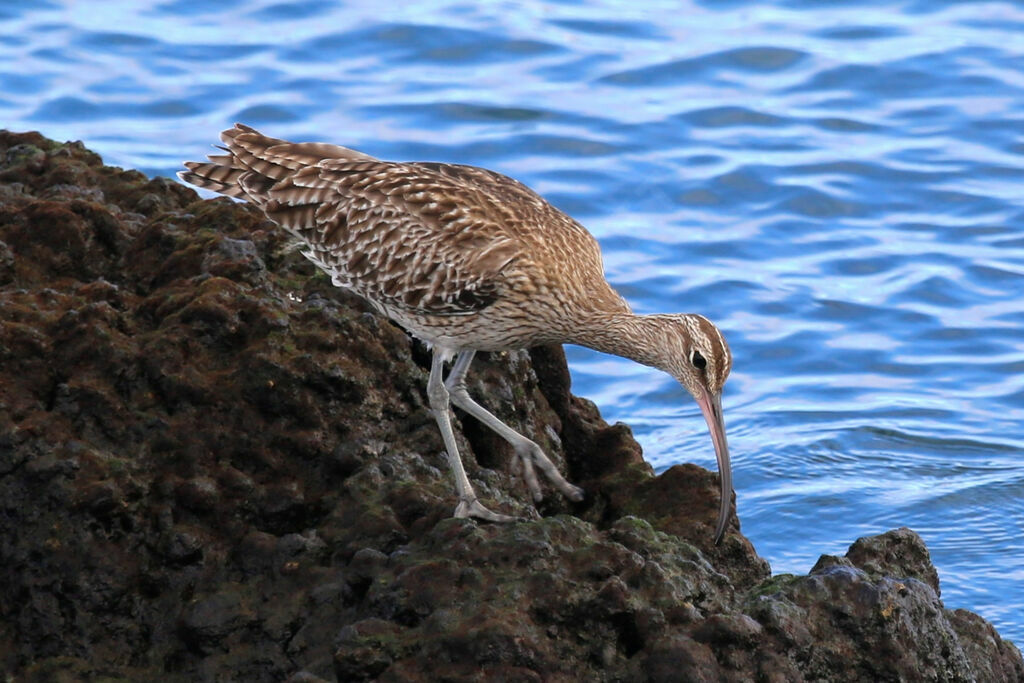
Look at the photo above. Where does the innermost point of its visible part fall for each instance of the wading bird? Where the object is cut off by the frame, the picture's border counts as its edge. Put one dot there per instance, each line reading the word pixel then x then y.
pixel 467 260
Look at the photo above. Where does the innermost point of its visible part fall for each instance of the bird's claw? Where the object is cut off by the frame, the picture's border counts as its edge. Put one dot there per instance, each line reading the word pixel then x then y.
pixel 573 492
pixel 474 508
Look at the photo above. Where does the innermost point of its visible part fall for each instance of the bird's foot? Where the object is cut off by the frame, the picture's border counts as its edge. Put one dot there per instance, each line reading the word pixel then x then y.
pixel 531 455
pixel 474 508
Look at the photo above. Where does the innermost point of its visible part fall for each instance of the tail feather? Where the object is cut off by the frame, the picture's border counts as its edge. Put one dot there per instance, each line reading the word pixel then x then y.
pixel 254 163
pixel 214 176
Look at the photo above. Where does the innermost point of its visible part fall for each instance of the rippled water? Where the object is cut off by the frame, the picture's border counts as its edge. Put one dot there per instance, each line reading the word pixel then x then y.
pixel 839 185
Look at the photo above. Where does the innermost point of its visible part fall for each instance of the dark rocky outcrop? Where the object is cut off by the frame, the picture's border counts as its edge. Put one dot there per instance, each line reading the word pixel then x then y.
pixel 216 466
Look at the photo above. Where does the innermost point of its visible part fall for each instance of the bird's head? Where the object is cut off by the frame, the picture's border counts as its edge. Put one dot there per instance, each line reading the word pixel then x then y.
pixel 690 348
pixel 699 358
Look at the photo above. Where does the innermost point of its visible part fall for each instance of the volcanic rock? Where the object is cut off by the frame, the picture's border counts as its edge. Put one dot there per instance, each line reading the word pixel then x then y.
pixel 214 465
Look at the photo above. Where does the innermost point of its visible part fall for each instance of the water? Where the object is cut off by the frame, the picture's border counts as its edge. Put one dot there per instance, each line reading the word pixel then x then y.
pixel 838 185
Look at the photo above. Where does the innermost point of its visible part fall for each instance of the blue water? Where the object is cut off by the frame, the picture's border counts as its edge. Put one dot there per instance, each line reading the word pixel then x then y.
pixel 839 185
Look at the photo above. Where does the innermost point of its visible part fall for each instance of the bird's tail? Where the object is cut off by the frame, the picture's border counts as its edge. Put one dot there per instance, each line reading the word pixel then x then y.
pixel 253 163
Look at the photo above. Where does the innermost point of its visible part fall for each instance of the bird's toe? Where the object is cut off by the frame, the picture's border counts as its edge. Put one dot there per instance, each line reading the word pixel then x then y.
pixel 474 508
pixel 574 493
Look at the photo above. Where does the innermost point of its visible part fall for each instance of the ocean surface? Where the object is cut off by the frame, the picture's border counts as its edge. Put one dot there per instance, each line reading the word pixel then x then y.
pixel 839 185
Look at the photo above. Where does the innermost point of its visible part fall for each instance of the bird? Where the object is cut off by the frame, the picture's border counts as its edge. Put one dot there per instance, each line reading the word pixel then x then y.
pixel 467 260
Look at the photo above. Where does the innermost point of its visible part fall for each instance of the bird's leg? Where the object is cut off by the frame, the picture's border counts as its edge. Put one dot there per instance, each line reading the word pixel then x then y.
pixel 437 394
pixel 529 453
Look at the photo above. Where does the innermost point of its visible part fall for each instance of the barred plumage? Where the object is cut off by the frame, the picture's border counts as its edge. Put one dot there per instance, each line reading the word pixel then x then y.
pixel 468 260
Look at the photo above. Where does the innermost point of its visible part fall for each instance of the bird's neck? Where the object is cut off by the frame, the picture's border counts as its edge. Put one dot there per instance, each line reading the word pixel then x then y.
pixel 640 338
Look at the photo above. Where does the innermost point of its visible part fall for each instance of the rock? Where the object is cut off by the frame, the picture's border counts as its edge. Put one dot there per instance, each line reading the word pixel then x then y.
pixel 842 620
pixel 214 465
pixel 897 553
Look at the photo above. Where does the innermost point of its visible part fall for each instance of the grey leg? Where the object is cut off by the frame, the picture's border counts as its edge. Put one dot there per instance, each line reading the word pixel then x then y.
pixel 437 394
pixel 529 453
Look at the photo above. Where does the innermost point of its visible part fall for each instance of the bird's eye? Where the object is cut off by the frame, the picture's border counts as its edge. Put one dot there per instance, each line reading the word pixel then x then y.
pixel 698 360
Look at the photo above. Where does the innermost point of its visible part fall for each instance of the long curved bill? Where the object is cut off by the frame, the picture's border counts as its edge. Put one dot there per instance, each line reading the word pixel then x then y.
pixel 711 405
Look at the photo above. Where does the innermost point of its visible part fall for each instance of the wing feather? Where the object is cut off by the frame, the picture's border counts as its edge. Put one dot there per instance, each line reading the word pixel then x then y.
pixel 420 238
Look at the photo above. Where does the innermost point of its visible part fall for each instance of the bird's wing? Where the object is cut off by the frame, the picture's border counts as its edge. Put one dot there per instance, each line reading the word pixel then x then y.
pixel 402 236
pixel 423 238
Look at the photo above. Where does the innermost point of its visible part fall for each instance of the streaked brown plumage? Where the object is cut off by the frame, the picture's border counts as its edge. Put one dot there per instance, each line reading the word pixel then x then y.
pixel 468 260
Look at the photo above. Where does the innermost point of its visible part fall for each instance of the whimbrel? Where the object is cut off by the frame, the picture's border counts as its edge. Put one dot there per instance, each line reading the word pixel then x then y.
pixel 467 260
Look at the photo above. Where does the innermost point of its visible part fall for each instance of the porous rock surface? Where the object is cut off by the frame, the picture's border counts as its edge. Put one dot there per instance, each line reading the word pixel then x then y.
pixel 216 466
